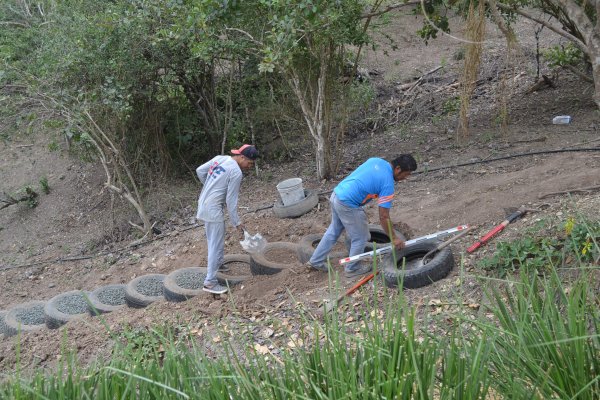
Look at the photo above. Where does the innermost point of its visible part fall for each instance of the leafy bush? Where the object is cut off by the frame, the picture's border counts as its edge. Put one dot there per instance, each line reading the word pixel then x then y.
pixel 563 55
pixel 541 250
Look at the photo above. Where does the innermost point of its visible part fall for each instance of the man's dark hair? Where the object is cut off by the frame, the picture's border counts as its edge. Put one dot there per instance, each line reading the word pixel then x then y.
pixel 406 162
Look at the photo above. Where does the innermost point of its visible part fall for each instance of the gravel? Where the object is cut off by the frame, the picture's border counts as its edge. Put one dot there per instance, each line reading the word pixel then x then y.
pixel 150 286
pixel 33 315
pixel 190 279
pixel 72 304
pixel 112 296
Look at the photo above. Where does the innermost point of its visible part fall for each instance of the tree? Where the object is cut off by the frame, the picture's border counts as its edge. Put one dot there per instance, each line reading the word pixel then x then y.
pixel 307 41
pixel 574 20
pixel 578 24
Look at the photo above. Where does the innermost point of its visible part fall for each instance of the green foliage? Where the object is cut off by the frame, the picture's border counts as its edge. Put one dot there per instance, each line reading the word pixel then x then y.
pixel 30 196
pixel 548 342
pixel 44 185
pixel 142 345
pixel 53 146
pixel 435 20
pixel 582 239
pixel 451 105
pixel 540 251
pixel 563 55
pixel 529 253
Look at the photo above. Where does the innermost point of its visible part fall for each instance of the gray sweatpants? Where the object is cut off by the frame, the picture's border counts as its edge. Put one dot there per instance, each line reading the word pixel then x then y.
pixel 215 236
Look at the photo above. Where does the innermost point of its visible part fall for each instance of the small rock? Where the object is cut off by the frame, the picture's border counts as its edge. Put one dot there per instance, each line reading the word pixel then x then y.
pixel 51 285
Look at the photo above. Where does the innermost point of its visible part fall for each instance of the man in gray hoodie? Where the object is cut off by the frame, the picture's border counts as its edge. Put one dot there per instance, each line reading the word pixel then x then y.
pixel 221 177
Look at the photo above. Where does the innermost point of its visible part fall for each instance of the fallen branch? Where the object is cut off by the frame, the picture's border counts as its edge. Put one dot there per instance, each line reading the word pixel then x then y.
pixel 578 190
pixel 541 84
pixel 30 195
pixel 409 87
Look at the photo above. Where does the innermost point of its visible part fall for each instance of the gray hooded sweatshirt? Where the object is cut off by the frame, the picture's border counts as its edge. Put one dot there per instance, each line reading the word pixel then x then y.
pixel 221 178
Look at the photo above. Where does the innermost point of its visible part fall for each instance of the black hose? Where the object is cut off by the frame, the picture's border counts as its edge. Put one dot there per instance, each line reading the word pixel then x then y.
pixel 532 153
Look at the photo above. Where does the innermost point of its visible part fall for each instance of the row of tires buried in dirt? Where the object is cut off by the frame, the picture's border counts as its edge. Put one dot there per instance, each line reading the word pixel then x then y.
pixel 184 283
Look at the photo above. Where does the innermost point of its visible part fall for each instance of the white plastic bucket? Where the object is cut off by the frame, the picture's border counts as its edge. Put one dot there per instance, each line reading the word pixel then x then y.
pixel 291 191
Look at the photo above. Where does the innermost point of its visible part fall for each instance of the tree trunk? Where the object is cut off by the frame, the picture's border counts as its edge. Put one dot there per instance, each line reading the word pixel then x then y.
pixel 313 113
pixel 594 54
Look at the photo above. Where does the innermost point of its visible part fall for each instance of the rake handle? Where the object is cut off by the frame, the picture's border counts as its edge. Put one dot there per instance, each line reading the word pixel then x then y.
pixel 348 292
pixel 487 237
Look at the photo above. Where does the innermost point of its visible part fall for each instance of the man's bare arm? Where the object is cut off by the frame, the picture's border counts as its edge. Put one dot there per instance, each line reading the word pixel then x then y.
pixel 388 227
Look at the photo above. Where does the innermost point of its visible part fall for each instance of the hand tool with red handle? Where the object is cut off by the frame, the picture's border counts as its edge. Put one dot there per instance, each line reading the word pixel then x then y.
pixel 497 229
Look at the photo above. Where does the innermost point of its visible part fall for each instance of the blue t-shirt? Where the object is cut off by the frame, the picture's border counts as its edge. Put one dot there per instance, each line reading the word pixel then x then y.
pixel 374 179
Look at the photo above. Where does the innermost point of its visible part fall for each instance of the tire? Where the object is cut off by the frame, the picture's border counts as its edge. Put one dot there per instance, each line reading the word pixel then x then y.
pixel 311 199
pixel 415 274
pixel 307 246
pixel 259 265
pixel 56 316
pixel 230 279
pixel 183 284
pixel 25 317
pixel 3 327
pixel 377 238
pixel 136 299
pixel 102 299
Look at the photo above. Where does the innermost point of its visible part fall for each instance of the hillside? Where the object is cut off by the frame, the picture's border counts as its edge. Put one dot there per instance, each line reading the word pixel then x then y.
pixel 78 223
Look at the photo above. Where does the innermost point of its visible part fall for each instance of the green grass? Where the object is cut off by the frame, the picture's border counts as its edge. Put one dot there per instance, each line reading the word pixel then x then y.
pixel 536 337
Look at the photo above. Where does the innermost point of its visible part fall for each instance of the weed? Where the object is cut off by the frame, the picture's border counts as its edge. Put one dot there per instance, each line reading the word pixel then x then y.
pixel 451 106
pixel 459 54
pixel 53 146
pixel 31 197
pixel 44 185
pixel 575 240
pixel 487 136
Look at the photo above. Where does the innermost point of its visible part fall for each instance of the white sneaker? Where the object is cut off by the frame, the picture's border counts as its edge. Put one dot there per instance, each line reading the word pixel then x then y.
pixel 216 289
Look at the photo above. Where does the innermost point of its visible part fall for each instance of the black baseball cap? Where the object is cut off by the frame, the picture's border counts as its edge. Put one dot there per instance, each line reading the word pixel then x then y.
pixel 247 151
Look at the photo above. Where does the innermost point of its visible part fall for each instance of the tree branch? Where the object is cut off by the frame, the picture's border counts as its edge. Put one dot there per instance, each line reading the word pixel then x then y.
pixel 390 8
pixel 579 73
pixel 554 29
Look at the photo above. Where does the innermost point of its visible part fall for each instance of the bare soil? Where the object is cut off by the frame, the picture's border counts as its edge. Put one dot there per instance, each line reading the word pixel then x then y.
pixel 77 238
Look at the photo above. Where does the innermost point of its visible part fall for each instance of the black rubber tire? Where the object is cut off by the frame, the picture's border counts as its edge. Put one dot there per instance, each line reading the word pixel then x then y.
pixel 415 274
pixel 55 318
pixel 378 238
pixel 259 265
pixel 307 246
pixel 3 327
pixel 14 325
pixel 136 299
pixel 311 199
pixel 174 292
pixel 97 307
pixel 228 279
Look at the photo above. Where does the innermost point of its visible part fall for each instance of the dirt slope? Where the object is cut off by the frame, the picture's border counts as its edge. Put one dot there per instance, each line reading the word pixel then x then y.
pixel 75 217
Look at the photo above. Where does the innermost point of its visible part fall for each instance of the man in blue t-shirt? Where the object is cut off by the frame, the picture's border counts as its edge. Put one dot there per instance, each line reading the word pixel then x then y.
pixel 374 179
